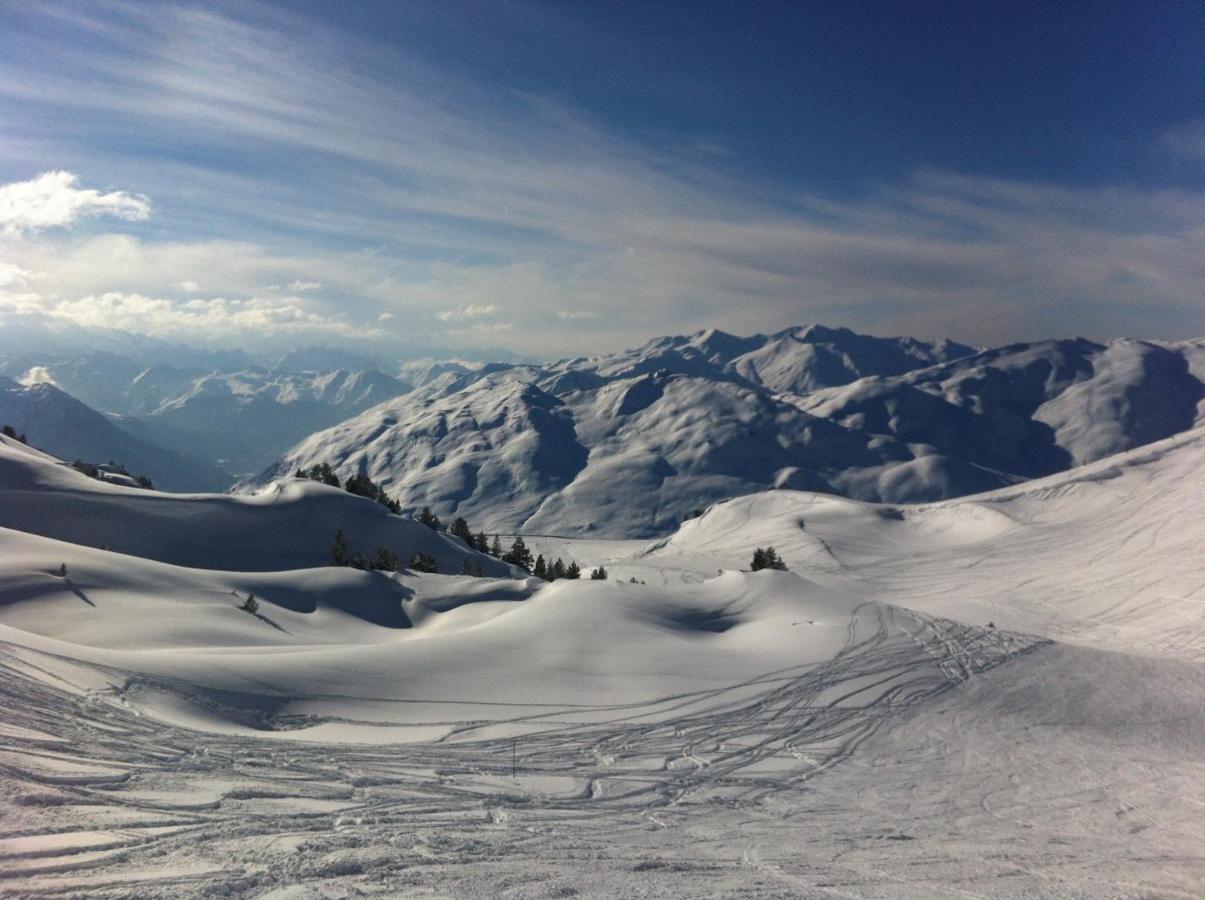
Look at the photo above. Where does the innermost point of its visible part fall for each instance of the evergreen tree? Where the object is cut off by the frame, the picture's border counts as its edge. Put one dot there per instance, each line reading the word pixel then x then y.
pixel 558 570
pixel 541 568
pixel 322 472
pixel 519 555
pixel 460 528
pixel 340 550
pixel 363 486
pixel 599 574
pixel 429 518
pixel 496 548
pixel 250 605
pixel 766 559
pixel 574 571
pixel 424 562
pixel 480 543
pixel 384 561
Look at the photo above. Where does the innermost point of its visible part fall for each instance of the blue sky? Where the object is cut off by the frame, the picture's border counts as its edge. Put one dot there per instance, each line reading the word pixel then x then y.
pixel 565 178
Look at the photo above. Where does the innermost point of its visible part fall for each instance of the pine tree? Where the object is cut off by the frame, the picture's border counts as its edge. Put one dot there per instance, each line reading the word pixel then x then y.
pixel 322 472
pixel 558 570
pixel 496 548
pixel 250 605
pixel 424 562
pixel 340 550
pixel 541 568
pixel 429 518
pixel 384 561
pixel 599 574
pixel 460 528
pixel 767 559
pixel 519 555
pixel 574 571
pixel 480 543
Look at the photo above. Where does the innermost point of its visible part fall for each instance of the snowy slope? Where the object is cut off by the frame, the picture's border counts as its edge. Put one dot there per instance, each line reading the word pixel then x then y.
pixel 1109 555
pixel 66 427
pixel 852 727
pixel 1031 409
pixel 286 527
pixel 629 445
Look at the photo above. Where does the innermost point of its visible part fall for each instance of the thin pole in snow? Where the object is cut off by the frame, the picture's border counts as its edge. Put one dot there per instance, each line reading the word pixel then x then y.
pixel 514 759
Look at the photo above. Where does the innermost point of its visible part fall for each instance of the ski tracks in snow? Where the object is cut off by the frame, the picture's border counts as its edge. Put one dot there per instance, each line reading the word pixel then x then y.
pixel 105 801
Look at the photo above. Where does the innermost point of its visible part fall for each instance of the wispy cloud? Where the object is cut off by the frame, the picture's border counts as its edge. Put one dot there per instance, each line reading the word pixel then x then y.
pixel 52 200
pixel 199 319
pixel 471 311
pixel 445 201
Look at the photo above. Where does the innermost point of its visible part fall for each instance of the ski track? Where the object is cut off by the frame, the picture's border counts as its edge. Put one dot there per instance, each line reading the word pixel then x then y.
pixel 106 802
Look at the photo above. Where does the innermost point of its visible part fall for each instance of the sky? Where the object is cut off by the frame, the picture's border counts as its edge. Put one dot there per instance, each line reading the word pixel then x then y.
pixel 554 179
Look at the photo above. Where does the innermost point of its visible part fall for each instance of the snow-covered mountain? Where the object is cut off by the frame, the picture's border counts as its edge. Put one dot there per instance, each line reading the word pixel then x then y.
pixel 58 423
pixel 632 443
pixel 798 359
pixel 245 418
pixel 238 418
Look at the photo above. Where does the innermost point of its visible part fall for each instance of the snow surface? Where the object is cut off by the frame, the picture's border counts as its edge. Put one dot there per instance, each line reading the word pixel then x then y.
pixel 630 444
pixel 993 696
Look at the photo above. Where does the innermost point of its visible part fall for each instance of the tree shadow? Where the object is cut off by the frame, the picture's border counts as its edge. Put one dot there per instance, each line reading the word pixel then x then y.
pixel 76 590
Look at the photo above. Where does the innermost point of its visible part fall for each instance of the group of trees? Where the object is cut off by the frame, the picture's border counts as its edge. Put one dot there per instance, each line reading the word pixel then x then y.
pixel 767 559
pixel 382 559
pixel 551 571
pixel 9 431
pixel 360 485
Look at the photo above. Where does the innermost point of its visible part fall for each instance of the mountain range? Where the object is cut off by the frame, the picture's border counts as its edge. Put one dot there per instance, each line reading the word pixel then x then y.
pixel 632 443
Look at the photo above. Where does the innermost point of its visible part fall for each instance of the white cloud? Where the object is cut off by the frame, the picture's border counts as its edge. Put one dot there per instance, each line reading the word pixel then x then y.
pixel 12 275
pixel 52 200
pixel 300 286
pixel 190 287
pixel 37 375
pixel 196 319
pixel 385 317
pixel 469 311
pixel 425 171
